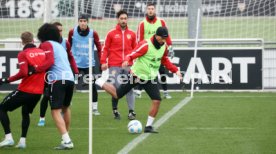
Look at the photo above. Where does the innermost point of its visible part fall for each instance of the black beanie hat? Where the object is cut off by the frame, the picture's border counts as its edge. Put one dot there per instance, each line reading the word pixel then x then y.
pixel 162 31
pixel 83 16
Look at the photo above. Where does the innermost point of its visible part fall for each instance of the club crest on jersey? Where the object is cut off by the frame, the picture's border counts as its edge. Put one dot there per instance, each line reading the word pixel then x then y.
pixel 128 36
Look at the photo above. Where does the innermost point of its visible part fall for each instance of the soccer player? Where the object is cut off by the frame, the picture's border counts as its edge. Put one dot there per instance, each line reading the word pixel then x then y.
pixel 78 38
pixel 119 42
pixel 60 80
pixel 28 93
pixel 148 56
pixel 146 30
pixel 45 99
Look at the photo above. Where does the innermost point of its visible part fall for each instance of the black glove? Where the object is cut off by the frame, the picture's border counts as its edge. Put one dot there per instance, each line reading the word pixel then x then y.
pixel 3 81
pixel 31 70
pixel 171 52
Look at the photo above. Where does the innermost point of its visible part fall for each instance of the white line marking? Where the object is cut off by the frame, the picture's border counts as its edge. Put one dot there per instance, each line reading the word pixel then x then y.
pixel 218 128
pixel 131 145
pixel 70 128
pixel 235 96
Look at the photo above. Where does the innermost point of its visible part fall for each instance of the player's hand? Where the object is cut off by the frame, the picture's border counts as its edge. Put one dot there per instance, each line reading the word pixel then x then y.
pixel 178 73
pixel 171 52
pixel 3 81
pixel 31 70
pixel 104 67
pixel 125 64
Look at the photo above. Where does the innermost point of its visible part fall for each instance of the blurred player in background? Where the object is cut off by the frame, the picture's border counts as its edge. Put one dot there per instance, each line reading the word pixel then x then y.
pixel 146 30
pixel 148 56
pixel 60 80
pixel 45 99
pixel 78 38
pixel 28 93
pixel 119 42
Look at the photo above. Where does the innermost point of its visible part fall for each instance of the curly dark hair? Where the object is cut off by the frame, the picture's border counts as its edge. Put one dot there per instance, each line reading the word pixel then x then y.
pixel 121 12
pixel 48 32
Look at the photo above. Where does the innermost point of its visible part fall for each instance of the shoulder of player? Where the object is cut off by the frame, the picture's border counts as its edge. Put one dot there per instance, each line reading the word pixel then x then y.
pixel 71 31
pixel 131 32
pixel 141 23
pixel 162 20
pixel 46 45
pixel 143 45
pixel 112 32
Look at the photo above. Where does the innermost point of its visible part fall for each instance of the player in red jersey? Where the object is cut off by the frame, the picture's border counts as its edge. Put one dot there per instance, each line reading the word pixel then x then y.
pixel 28 93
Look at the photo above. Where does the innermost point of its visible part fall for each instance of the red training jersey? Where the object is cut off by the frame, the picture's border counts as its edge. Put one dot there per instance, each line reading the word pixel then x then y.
pixel 118 44
pixel 34 83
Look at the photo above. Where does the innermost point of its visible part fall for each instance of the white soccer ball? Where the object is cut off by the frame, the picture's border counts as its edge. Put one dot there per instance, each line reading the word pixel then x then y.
pixel 134 127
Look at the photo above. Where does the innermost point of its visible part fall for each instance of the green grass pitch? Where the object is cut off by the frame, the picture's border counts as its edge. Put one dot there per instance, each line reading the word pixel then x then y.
pixel 42 140
pixel 223 122
pixel 236 27
pixel 209 123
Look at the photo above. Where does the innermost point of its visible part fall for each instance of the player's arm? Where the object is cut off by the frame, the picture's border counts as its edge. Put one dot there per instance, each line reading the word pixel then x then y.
pixel 23 68
pixel 168 40
pixel 134 41
pixel 49 53
pixel 70 35
pixel 97 43
pixel 71 59
pixel 105 52
pixel 140 50
pixel 140 32
pixel 167 63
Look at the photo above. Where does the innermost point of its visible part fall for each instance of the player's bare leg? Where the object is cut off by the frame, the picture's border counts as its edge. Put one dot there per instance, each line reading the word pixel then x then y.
pixel 67 117
pixel 110 89
pixel 59 121
pixel 154 108
pixel 152 114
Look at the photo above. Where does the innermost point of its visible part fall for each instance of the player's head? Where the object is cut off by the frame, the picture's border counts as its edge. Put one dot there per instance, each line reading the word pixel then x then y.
pixel 48 32
pixel 122 18
pixel 83 21
pixel 161 35
pixel 59 26
pixel 27 37
pixel 151 11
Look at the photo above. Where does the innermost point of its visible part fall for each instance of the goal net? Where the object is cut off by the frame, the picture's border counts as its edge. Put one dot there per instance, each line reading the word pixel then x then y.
pixel 220 18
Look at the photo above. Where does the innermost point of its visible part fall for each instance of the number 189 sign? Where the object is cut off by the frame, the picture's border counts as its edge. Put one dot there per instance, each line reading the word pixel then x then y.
pixel 26 8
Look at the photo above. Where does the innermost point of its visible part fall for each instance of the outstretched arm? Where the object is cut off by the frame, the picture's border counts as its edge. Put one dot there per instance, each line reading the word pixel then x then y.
pixel 23 68
pixel 167 63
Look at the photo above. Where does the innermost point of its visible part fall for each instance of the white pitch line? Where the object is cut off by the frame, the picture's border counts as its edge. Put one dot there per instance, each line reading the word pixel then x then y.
pixel 218 128
pixel 70 128
pixel 131 145
pixel 235 96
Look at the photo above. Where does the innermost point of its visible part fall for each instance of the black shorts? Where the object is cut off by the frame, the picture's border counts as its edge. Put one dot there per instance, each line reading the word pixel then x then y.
pixel 17 99
pixel 150 86
pixel 61 93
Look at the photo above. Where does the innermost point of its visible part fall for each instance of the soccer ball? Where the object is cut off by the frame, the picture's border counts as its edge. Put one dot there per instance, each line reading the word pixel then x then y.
pixel 134 127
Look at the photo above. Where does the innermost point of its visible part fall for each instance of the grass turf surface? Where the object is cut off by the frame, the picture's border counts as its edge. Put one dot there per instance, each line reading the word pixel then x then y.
pixel 42 140
pixel 222 122
pixel 209 123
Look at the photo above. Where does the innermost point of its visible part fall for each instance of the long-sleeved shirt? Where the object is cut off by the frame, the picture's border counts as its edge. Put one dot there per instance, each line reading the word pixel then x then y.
pixel 141 30
pixel 142 48
pixel 118 44
pixel 31 56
